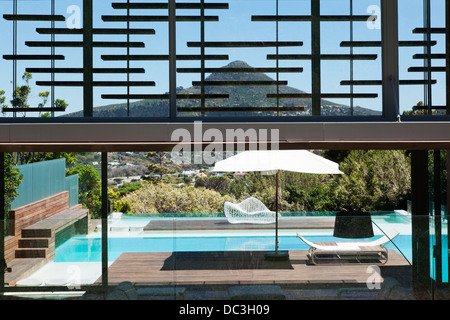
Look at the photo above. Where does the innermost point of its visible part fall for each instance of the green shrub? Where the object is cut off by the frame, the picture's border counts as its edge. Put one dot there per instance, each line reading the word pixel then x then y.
pixel 171 198
pixel 123 206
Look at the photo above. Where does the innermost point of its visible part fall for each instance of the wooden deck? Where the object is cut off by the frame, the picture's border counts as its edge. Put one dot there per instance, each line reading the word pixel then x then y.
pixel 223 224
pixel 241 267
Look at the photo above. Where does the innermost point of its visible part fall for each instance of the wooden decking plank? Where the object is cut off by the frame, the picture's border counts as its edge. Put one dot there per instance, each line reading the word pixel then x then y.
pixel 149 268
pixel 21 268
pixel 58 220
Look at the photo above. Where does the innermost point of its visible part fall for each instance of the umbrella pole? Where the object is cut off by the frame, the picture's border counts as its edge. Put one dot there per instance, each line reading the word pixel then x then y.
pixel 276 213
pixel 276 255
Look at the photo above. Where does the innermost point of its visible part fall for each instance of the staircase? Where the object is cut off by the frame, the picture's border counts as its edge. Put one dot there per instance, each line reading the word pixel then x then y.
pixel 38 240
pixel 34 247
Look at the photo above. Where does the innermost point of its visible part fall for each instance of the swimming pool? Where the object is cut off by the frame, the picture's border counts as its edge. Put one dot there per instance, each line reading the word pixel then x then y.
pixel 121 238
pixel 84 253
pixel 85 249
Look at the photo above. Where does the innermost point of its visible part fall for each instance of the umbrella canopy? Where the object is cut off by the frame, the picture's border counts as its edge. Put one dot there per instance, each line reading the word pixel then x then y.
pixel 271 161
pixel 274 160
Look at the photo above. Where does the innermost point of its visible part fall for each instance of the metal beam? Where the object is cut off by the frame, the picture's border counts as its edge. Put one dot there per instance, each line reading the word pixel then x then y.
pixel 447 52
pixel 315 58
pixel 172 60
pixel 447 214
pixel 428 68
pixel 104 212
pixel 2 221
pixel 420 219
pixel 389 52
pixel 437 250
pixel 88 78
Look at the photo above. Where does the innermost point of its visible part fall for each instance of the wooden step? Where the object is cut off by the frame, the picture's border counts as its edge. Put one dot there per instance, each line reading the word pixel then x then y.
pixel 31 253
pixel 34 243
pixel 36 233
pixel 44 228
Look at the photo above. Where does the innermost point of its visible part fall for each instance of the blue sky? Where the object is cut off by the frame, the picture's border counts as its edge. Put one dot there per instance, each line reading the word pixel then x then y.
pixel 234 25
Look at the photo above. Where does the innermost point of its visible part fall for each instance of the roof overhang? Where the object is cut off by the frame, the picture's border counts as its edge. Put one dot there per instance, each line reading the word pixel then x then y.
pixel 96 137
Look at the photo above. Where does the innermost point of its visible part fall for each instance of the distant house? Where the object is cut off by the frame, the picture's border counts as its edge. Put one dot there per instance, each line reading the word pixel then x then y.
pixel 190 173
pixel 240 174
pixel 201 175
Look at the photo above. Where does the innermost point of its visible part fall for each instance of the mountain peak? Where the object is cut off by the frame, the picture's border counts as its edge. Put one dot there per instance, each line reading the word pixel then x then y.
pixel 242 75
pixel 239 96
pixel 238 64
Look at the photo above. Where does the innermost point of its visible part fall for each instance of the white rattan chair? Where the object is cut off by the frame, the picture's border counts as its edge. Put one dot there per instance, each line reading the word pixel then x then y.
pixel 251 210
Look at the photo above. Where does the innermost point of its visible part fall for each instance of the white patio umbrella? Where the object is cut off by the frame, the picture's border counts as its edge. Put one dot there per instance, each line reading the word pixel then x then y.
pixel 271 161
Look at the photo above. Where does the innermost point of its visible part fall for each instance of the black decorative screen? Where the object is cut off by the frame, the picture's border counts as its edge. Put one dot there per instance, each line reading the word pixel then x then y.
pixel 276 60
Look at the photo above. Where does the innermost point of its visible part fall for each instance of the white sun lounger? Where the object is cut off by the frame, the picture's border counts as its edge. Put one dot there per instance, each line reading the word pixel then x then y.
pixel 370 251
pixel 251 210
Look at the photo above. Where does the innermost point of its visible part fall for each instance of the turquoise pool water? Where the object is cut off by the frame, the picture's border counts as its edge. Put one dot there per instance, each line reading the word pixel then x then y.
pixel 88 249
pixel 84 249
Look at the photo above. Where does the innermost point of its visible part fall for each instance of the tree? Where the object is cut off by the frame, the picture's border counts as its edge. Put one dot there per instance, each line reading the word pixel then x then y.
pixel 373 180
pixel 419 109
pixel 219 184
pixel 129 187
pixel 298 191
pixel 44 96
pixel 59 103
pixel 161 164
pixel 89 192
pixel 30 157
pixel 312 194
pixel 336 155
pixel 119 205
pixel 13 178
pixel 22 93
pixel 2 99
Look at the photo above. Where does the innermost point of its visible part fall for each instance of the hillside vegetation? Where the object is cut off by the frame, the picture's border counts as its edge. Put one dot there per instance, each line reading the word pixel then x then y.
pixel 373 180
